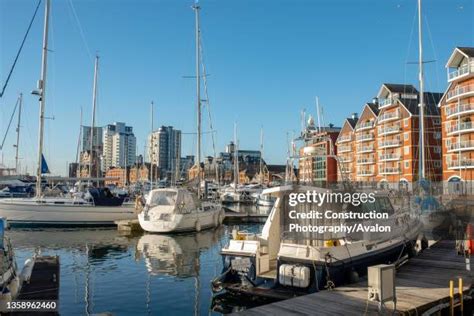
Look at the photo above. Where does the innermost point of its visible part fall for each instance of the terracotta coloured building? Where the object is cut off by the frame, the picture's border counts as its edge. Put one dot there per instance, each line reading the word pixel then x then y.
pixel 457 115
pixel 317 162
pixel 346 148
pixel 366 144
pixel 397 135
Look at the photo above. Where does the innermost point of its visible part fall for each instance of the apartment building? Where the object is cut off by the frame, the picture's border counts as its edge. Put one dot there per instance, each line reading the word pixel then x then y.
pixel 119 146
pixel 365 145
pixel 165 150
pixel 317 162
pixel 346 148
pixel 397 135
pixel 457 116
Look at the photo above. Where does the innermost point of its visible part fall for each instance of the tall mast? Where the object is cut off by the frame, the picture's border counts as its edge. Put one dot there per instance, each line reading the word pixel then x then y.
pixel 42 96
pixel 18 133
pixel 261 155
pixel 422 87
pixel 94 104
pixel 236 159
pixel 151 146
pixel 196 9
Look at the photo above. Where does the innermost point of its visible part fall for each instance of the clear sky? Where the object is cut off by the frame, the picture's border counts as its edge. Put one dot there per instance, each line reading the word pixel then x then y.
pixel 267 61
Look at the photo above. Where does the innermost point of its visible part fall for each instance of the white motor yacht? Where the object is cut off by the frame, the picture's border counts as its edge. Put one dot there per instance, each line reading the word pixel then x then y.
pixel 177 210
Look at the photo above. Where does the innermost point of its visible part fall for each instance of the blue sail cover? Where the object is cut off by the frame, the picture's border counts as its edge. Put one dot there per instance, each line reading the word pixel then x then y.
pixel 44 165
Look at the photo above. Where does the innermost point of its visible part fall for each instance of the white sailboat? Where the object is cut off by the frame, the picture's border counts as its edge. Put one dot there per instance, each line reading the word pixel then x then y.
pixel 95 208
pixel 171 210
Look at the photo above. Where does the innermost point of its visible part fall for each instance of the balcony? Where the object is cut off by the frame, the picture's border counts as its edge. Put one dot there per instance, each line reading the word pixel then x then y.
pixel 462 71
pixel 384 103
pixel 345 159
pixel 390 170
pixel 459 109
pixel 343 149
pixel 461 146
pixel 345 170
pixel 461 128
pixel 364 137
pixel 389 116
pixel 365 161
pixel 365 173
pixel 365 125
pixel 461 164
pixel 389 130
pixel 389 157
pixel 390 143
pixel 344 139
pixel 365 149
pixel 461 92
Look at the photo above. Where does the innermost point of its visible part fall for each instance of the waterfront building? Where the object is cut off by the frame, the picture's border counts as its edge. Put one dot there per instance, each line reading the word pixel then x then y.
pixel 165 150
pixel 317 163
pixel 365 145
pixel 85 164
pixel 457 115
pixel 346 150
pixel 185 164
pixel 398 138
pixel 119 146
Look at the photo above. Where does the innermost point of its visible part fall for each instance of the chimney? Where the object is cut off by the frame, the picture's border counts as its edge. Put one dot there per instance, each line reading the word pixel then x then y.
pixel 375 101
pixel 355 116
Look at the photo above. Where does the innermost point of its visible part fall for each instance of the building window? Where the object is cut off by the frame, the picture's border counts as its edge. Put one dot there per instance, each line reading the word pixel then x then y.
pixel 437 135
pixel 437 149
pixel 406 136
pixel 437 164
pixel 406 150
pixel 437 121
pixel 448 143
pixel 407 164
pixel 406 122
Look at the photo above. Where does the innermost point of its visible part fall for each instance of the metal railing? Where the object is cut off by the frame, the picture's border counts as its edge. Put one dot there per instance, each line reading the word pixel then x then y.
pixel 460 90
pixel 461 71
pixel 461 127
pixel 388 130
pixel 387 157
pixel 364 137
pixel 365 149
pixel 462 145
pixel 390 170
pixel 389 143
pixel 461 163
pixel 459 109
pixel 389 116
pixel 368 124
pixel 386 102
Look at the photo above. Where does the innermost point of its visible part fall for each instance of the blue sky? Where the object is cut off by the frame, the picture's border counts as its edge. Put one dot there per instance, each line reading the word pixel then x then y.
pixel 267 61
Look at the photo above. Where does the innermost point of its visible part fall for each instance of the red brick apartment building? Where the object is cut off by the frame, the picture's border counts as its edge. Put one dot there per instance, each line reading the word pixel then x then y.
pixel 316 165
pixel 386 138
pixel 346 148
pixel 457 115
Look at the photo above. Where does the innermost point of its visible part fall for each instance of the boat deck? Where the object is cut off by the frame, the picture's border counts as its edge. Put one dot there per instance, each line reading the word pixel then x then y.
pixel 421 284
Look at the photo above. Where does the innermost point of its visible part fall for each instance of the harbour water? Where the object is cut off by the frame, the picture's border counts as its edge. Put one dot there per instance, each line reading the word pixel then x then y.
pixel 103 270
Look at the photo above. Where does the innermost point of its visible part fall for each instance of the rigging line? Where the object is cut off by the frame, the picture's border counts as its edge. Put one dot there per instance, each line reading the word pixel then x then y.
pixel 81 30
pixel 430 36
pixel 19 50
pixel 9 124
pixel 409 44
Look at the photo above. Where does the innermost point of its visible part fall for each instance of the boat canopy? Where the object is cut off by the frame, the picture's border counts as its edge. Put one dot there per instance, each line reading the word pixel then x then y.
pixel 171 197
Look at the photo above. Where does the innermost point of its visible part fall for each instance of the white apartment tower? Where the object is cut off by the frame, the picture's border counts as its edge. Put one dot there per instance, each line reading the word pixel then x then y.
pixel 165 150
pixel 119 146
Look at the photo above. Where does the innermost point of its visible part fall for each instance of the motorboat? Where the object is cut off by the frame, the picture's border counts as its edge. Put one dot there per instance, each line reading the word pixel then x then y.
pixel 172 210
pixel 279 264
pixel 16 192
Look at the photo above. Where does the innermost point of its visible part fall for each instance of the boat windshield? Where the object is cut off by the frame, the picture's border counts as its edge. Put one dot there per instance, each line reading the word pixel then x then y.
pixel 163 198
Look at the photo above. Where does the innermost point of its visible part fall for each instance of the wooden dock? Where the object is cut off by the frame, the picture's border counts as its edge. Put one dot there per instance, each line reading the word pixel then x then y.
pixel 422 284
pixel 129 226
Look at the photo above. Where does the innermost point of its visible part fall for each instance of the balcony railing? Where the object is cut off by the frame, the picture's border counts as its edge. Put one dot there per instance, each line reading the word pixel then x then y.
pixel 462 145
pixel 365 172
pixel 390 170
pixel 386 102
pixel 365 149
pixel 344 139
pixel 364 137
pixel 460 109
pixel 389 130
pixel 458 91
pixel 365 125
pixel 345 159
pixel 461 164
pixel 365 161
pixel 389 157
pixel 459 128
pixel 388 116
pixel 389 143
pixel 461 71
pixel 345 170
pixel 343 149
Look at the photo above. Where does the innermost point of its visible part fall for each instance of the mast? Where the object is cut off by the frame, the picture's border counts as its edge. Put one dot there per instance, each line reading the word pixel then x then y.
pixel 42 96
pixel 261 155
pixel 196 9
pixel 78 150
pixel 422 106
pixel 151 146
pixel 94 104
pixel 18 133
pixel 236 159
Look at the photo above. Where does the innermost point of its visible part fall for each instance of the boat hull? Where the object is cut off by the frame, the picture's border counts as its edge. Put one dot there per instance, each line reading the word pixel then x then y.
pixel 182 222
pixel 26 214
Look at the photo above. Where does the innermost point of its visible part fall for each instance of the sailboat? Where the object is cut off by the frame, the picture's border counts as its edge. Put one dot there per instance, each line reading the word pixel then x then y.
pixel 171 210
pixel 95 208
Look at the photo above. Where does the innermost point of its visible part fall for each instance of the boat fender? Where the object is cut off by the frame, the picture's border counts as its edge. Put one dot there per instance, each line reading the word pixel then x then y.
pixel 294 275
pixel 197 226
pixel 221 218
pixel 25 274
